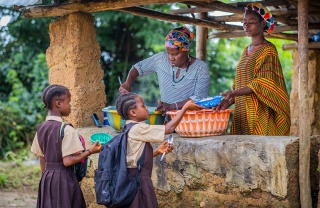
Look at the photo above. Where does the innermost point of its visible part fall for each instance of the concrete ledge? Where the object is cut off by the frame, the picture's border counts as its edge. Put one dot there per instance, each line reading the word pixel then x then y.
pixel 224 171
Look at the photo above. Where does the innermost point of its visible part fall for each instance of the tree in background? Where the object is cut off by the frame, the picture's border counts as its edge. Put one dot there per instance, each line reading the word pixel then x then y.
pixel 23 75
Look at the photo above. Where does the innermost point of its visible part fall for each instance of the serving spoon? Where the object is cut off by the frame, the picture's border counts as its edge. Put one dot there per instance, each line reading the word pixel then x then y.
pixel 170 141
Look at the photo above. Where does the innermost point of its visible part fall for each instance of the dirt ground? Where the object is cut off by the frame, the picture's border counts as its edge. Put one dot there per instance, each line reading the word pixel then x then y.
pixel 18 199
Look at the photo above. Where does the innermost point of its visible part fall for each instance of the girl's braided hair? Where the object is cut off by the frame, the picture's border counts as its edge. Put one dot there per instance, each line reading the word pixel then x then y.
pixel 124 103
pixel 52 91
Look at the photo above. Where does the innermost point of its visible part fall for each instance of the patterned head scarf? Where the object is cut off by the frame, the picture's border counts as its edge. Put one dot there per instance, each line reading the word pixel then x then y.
pixel 264 13
pixel 179 38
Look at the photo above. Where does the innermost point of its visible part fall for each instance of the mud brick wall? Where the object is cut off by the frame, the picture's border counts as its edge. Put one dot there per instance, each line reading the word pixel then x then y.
pixel 73 61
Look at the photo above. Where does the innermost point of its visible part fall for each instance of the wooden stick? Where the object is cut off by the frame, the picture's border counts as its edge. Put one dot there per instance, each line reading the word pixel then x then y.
pixel 294 46
pixel 217 5
pixel 181 19
pixel 202 39
pixel 89 7
pixel 190 10
pixel 304 120
pixel 265 3
pixel 237 34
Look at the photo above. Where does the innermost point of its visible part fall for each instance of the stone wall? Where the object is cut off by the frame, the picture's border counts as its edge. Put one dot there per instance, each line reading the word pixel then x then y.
pixel 314 93
pixel 224 171
pixel 73 61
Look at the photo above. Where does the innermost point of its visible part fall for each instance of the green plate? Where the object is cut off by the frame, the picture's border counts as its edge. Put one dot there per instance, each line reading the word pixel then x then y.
pixel 101 137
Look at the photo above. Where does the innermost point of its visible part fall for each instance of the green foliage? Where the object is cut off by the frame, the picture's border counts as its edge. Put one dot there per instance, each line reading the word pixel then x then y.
pixel 19 176
pixel 222 58
pixel 23 75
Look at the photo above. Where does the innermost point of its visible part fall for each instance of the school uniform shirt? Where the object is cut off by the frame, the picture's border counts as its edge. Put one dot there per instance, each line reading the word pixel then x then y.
pixel 70 144
pixel 138 135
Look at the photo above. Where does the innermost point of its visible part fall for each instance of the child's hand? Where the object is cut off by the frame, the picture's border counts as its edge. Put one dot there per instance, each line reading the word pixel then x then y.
pixel 165 147
pixel 190 105
pixel 95 148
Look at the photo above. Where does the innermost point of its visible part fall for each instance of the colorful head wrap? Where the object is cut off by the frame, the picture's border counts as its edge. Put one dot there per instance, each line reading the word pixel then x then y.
pixel 179 38
pixel 264 13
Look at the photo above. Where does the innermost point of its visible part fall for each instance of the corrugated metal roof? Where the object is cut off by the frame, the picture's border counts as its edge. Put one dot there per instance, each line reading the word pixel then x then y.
pixel 8 3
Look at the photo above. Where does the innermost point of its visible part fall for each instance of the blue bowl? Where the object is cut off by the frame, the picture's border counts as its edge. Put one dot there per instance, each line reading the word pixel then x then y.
pixel 209 102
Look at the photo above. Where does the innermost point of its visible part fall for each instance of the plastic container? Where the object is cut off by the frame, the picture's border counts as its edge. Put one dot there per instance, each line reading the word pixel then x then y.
pixel 316 37
pixel 105 119
pixel 206 122
pixel 209 102
pixel 101 137
pixel 116 122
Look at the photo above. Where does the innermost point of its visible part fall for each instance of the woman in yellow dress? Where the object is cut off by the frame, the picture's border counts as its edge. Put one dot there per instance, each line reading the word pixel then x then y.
pixel 259 95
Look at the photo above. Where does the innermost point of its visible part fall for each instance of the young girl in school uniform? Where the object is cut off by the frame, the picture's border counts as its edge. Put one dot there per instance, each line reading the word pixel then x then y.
pixel 59 186
pixel 131 107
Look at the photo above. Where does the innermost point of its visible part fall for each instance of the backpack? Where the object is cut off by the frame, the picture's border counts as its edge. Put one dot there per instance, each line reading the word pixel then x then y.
pixel 114 186
pixel 80 168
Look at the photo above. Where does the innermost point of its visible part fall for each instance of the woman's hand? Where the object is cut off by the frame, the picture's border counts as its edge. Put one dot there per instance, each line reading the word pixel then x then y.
pixel 227 101
pixel 224 104
pixel 227 95
pixel 164 147
pixel 125 88
pixel 164 107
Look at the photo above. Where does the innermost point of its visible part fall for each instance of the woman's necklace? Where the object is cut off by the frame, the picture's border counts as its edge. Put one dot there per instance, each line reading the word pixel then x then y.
pixel 174 81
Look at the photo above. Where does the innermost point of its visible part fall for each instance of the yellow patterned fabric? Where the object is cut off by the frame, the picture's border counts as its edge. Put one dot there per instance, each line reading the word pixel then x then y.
pixel 267 110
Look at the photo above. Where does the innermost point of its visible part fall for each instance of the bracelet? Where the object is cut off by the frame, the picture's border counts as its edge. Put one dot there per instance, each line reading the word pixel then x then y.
pixel 176 106
pixel 89 152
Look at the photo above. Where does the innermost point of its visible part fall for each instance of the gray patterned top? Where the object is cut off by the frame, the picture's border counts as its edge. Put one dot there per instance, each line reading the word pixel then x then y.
pixel 193 84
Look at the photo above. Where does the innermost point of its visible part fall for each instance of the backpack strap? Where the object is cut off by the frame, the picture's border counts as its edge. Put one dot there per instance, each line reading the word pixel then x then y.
pixel 63 126
pixel 140 161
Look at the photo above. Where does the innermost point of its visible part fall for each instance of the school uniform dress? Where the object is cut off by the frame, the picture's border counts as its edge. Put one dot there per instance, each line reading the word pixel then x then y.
pixel 139 136
pixel 58 186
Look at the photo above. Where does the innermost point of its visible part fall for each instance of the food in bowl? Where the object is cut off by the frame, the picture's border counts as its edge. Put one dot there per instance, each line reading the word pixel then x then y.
pixel 205 122
pixel 116 122
pixel 209 102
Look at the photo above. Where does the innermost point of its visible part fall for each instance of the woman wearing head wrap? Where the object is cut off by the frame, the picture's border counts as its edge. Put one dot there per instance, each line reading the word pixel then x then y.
pixel 181 77
pixel 259 95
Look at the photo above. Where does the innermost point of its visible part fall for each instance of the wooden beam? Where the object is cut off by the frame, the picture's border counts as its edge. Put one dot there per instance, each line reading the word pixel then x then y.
pixel 89 7
pixel 217 5
pixel 190 10
pixel 283 36
pixel 294 46
pixel 277 30
pixel 304 120
pixel 237 34
pixel 181 19
pixel 227 18
pixel 202 39
pixel 266 3
pixel 238 18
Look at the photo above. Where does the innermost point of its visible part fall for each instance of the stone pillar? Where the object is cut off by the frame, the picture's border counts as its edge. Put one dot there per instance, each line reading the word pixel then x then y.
pixel 313 88
pixel 73 61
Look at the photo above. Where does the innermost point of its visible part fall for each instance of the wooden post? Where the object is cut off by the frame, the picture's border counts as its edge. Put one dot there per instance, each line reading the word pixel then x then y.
pixel 304 123
pixel 202 37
